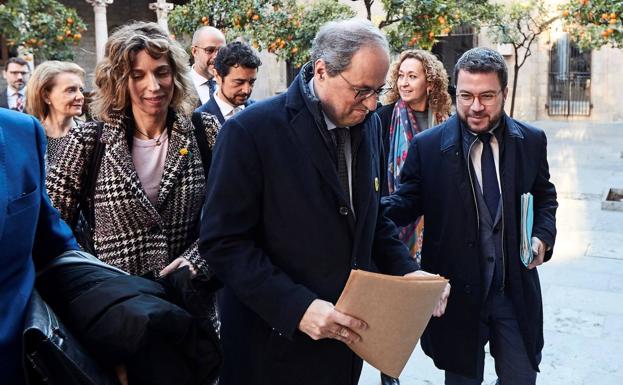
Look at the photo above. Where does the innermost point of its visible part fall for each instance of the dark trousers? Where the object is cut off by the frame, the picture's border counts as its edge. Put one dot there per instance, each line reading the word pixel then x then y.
pixel 499 327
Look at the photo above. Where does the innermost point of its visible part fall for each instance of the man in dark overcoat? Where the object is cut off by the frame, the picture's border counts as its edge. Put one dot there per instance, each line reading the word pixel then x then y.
pixel 466 177
pixel 292 206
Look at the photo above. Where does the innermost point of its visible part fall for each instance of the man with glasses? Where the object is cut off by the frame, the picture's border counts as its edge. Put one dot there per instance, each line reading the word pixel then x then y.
pixel 205 45
pixel 466 176
pixel 16 74
pixel 292 206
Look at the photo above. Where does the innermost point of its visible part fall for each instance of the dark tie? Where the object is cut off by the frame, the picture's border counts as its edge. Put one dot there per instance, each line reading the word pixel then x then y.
pixel 212 86
pixel 19 103
pixel 341 136
pixel 490 188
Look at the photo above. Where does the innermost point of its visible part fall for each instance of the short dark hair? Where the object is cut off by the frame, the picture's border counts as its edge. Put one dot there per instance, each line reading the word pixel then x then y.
pixel 234 54
pixel 479 60
pixel 16 60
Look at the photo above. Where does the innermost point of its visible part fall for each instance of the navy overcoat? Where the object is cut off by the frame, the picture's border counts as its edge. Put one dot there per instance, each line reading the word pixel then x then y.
pixel 277 233
pixel 435 183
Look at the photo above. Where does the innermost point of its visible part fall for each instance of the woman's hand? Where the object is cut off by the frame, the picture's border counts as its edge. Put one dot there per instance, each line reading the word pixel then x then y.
pixel 179 263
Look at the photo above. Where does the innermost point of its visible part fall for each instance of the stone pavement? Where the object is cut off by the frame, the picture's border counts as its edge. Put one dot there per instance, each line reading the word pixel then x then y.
pixel 583 283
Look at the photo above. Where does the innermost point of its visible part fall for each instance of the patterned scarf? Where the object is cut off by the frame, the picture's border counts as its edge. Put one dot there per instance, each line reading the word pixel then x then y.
pixel 401 131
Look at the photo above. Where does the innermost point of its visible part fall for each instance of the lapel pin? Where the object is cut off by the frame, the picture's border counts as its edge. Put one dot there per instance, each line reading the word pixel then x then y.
pixel 376 184
pixel 183 151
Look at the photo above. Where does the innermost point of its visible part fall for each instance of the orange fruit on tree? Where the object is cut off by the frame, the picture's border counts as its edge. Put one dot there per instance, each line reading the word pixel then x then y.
pixel 604 33
pixel 294 50
pixel 70 21
pixel 77 36
pixel 610 31
pixel 604 16
pixel 613 15
pixel 447 30
pixel 613 21
pixel 431 34
pixel 256 17
pixel 204 19
pixel 60 38
pixel 441 20
pixel 565 13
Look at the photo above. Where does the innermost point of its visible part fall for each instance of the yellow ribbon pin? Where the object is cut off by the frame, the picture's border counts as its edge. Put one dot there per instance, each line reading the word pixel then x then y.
pixel 376 184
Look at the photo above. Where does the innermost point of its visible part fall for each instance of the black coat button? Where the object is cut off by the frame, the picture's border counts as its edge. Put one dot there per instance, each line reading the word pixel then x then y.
pixel 490 259
pixel 471 244
pixel 496 229
pixel 344 210
pixel 467 288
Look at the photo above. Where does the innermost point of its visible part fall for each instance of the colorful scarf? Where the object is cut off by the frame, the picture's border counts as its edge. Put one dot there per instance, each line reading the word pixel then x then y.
pixel 401 131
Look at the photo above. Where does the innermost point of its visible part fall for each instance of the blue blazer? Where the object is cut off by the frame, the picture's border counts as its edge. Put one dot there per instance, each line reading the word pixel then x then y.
pixel 31 231
pixel 211 107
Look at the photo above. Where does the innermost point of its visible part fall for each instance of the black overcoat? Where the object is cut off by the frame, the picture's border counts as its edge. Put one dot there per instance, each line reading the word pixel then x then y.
pixel 435 182
pixel 277 233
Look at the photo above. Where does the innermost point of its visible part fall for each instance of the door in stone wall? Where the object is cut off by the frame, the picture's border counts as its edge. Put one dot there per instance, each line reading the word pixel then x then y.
pixel 569 87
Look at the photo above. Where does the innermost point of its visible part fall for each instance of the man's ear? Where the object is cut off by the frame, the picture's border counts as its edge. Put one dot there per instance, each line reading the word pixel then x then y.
pixel 218 78
pixel 320 69
pixel 505 93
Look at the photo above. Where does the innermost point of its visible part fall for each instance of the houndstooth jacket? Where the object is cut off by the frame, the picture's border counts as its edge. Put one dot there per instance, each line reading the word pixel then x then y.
pixel 131 233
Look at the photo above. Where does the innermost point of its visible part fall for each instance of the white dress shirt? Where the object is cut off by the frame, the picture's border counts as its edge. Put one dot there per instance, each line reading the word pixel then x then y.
pixel 201 85
pixel 12 96
pixel 227 110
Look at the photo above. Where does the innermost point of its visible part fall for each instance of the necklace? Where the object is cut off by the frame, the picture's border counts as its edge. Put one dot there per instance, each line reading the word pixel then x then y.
pixel 158 143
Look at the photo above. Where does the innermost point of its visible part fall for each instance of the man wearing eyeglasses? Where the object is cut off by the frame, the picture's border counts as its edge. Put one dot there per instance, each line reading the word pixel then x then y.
pixel 466 176
pixel 205 45
pixel 292 206
pixel 16 74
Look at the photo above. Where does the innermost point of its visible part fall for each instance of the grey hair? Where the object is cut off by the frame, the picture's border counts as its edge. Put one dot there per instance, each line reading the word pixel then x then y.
pixel 337 42
pixel 208 30
pixel 481 59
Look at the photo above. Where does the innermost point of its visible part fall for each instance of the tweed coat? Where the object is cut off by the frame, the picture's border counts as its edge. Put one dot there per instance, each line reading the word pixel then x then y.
pixel 435 183
pixel 130 232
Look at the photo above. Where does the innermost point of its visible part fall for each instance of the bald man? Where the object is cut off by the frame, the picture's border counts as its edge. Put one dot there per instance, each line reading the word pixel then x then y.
pixel 205 45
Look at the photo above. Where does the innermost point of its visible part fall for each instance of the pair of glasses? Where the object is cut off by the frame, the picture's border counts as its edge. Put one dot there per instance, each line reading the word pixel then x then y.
pixel 486 99
pixel 364 93
pixel 209 50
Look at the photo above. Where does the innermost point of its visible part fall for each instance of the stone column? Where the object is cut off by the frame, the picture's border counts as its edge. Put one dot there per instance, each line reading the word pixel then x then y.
pixel 162 9
pixel 101 25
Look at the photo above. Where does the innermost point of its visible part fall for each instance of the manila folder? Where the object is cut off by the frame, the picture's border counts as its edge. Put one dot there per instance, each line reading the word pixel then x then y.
pixel 396 309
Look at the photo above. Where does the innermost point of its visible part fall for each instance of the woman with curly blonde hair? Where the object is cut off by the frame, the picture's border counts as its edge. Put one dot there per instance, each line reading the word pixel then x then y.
pixel 150 185
pixel 418 99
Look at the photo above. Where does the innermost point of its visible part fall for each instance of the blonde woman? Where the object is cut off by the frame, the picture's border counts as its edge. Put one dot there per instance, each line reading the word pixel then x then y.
pixel 150 184
pixel 55 96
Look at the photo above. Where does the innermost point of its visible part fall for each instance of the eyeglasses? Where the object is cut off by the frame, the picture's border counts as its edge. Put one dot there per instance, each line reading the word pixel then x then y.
pixel 209 50
pixel 486 98
pixel 364 93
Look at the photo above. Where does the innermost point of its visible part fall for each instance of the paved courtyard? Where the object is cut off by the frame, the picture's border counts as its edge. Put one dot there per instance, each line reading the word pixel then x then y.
pixel 583 283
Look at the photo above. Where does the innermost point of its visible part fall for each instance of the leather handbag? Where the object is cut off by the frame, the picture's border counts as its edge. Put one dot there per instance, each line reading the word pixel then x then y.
pixel 52 355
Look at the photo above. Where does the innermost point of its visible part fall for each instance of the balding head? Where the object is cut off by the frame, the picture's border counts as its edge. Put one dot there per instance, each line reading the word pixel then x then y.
pixel 205 45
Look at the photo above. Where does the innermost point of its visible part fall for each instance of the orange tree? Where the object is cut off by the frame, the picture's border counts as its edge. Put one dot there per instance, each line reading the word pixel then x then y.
pixel 418 23
pixel 282 27
pixel 594 23
pixel 45 28
pixel 520 24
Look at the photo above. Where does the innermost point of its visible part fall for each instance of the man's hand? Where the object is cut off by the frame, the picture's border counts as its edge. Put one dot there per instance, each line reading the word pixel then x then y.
pixel 440 308
pixel 538 250
pixel 321 320
pixel 178 263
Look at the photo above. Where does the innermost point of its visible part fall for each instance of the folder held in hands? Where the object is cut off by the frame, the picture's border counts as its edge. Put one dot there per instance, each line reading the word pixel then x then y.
pixel 527 218
pixel 396 309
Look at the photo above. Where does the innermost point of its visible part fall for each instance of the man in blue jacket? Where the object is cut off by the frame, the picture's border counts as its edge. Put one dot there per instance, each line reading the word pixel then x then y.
pixel 292 206
pixel 31 231
pixel 466 176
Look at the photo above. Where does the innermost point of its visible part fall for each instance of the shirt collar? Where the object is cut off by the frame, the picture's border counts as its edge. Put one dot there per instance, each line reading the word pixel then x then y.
pixel 197 79
pixel 225 107
pixel 12 91
pixel 330 124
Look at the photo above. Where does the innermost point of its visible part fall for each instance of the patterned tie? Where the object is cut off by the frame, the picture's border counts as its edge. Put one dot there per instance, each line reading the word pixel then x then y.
pixel 212 86
pixel 490 188
pixel 19 102
pixel 341 136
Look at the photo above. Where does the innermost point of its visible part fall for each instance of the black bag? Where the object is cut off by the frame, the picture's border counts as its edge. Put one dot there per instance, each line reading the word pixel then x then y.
pixel 85 222
pixel 52 355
